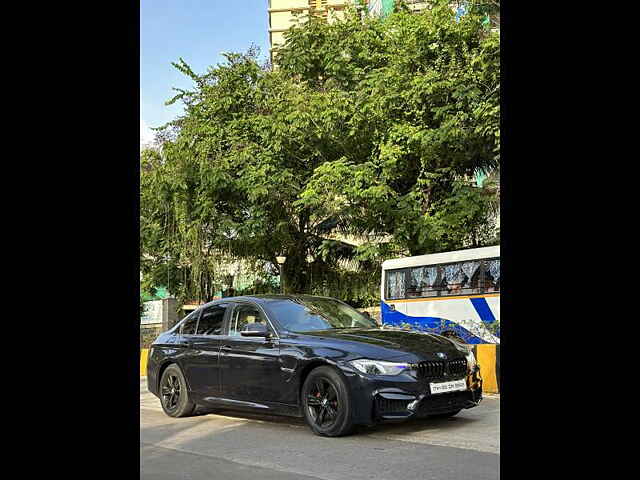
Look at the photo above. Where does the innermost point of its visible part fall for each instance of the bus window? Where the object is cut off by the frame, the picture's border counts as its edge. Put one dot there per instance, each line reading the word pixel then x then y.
pixel 492 275
pixel 423 282
pixel 452 279
pixel 471 282
pixel 396 284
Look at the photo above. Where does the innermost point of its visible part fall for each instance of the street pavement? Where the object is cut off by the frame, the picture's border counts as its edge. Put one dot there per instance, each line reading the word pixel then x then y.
pixel 250 446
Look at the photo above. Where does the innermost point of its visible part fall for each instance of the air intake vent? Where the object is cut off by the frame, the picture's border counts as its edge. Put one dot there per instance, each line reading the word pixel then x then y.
pixel 385 406
pixel 457 367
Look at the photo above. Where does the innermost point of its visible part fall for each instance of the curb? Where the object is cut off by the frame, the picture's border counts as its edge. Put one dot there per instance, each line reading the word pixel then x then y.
pixel 487 355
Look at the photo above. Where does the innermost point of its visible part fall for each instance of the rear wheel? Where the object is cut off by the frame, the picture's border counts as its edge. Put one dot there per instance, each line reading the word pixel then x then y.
pixel 326 403
pixel 173 393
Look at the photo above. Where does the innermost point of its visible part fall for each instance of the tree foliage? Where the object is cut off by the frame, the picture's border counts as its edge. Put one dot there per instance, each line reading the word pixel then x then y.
pixel 367 128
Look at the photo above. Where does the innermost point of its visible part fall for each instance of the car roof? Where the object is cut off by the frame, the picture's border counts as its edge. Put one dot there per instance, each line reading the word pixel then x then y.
pixel 262 299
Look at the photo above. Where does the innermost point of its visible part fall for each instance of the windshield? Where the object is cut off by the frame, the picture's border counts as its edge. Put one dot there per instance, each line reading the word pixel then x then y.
pixel 310 314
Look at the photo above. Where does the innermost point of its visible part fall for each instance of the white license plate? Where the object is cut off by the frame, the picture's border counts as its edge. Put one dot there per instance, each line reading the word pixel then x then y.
pixel 454 386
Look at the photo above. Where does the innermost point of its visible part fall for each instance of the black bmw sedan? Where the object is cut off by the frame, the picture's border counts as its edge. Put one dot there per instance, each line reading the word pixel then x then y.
pixel 311 357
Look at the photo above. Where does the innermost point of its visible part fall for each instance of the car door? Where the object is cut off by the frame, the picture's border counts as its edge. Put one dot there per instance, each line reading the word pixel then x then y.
pixel 201 360
pixel 250 366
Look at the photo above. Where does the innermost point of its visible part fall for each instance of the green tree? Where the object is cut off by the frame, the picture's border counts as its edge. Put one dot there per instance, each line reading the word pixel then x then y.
pixel 369 128
pixel 419 95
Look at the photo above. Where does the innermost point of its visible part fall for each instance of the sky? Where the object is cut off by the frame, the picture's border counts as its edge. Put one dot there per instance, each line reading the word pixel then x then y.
pixel 198 31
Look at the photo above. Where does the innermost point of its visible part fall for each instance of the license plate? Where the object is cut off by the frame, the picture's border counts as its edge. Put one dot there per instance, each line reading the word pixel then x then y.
pixel 454 386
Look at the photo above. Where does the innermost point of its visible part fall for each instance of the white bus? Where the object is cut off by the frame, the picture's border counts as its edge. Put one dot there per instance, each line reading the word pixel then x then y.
pixel 453 293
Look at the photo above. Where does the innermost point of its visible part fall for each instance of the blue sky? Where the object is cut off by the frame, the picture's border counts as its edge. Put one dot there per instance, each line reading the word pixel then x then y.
pixel 198 31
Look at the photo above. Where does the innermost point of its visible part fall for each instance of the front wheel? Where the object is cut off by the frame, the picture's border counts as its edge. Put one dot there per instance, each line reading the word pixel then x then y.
pixel 326 403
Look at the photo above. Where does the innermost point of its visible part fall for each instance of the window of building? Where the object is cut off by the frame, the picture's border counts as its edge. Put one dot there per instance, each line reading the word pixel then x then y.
pixel 318 8
pixel 211 320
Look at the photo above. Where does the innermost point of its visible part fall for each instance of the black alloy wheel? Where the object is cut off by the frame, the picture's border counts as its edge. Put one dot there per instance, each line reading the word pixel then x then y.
pixel 322 402
pixel 173 393
pixel 326 403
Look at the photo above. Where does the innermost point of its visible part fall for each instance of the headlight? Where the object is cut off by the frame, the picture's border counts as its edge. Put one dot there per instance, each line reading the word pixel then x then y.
pixel 471 361
pixel 378 367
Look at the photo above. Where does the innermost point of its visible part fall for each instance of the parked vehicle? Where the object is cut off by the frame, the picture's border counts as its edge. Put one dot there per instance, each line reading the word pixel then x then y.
pixel 311 357
pixel 456 294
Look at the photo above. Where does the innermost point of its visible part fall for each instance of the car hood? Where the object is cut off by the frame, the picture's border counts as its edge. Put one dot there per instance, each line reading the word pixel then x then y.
pixel 387 344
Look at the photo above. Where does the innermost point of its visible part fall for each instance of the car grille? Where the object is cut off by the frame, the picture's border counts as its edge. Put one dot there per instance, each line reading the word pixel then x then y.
pixel 437 368
pixel 431 369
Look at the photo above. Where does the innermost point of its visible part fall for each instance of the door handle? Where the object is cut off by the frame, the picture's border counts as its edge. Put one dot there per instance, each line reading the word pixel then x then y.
pixel 225 347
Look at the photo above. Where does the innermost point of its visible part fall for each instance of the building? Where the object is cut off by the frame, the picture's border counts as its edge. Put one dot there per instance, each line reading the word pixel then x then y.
pixel 284 13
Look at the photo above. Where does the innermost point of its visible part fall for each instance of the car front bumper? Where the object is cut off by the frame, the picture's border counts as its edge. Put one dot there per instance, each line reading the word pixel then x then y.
pixel 383 400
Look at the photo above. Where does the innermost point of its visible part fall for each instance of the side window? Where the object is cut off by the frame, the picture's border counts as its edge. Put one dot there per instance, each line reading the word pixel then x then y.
pixel 471 281
pixel 461 278
pixel 189 325
pixel 423 282
pixel 492 275
pixel 395 284
pixel 211 320
pixel 244 318
pixel 452 279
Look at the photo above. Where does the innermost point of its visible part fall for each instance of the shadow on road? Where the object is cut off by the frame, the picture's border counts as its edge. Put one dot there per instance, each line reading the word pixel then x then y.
pixel 422 425
pixel 417 425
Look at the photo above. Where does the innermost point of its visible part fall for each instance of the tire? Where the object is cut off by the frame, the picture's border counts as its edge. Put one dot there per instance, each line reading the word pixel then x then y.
pixel 174 395
pixel 445 415
pixel 326 403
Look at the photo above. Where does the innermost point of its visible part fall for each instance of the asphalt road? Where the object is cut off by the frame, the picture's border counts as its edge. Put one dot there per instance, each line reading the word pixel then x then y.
pixel 246 446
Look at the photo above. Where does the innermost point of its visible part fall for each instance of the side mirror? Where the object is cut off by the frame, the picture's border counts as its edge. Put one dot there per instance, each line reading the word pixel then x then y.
pixel 257 330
